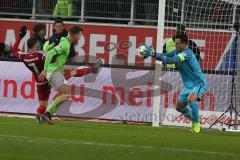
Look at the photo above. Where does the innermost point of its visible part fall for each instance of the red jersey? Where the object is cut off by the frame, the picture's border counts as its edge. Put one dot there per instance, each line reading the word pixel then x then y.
pixel 34 61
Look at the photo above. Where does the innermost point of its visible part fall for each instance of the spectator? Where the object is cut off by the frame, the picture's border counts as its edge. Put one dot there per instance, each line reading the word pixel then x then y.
pixel 44 7
pixel 5 51
pixel 63 8
pixel 60 31
pixel 39 33
pixel 2 54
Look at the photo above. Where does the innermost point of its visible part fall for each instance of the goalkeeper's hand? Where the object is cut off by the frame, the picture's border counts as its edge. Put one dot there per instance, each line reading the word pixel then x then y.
pixel 144 51
pixel 22 31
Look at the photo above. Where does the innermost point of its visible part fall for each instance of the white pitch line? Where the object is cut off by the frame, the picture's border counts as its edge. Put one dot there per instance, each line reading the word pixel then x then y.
pixel 53 140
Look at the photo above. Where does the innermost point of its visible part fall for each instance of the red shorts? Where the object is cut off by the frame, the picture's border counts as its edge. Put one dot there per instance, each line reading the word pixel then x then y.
pixel 43 91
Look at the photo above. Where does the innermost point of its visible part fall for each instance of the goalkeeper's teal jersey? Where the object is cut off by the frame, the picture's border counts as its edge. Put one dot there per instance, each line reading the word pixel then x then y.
pixel 188 67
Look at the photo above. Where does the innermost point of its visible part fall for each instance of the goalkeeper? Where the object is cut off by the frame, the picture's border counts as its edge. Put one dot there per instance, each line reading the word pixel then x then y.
pixel 195 83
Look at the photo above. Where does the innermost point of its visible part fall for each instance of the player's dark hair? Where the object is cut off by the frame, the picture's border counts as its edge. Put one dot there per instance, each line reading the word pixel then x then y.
pixel 58 20
pixel 38 27
pixel 183 38
pixel 31 42
pixel 75 30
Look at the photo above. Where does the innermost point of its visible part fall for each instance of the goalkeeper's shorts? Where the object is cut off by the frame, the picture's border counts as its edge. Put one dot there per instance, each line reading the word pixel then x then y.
pixel 198 90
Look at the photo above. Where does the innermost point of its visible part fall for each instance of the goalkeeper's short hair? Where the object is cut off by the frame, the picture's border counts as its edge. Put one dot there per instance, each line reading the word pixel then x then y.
pixel 182 37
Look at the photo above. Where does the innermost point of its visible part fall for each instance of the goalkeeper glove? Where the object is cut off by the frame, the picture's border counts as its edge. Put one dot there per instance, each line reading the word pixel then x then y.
pixel 145 51
pixel 22 31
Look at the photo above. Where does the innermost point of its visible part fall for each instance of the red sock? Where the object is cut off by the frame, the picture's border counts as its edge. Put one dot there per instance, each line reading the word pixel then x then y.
pixel 41 109
pixel 83 71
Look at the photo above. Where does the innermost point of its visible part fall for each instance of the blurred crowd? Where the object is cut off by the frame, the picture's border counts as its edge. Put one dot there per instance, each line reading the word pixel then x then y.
pixel 118 11
pixel 39 32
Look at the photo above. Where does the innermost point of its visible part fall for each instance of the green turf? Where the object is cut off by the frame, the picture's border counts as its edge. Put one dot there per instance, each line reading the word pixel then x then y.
pixel 23 139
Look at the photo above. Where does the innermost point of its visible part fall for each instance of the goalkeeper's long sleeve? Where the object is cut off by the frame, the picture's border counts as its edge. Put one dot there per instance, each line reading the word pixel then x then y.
pixel 170 58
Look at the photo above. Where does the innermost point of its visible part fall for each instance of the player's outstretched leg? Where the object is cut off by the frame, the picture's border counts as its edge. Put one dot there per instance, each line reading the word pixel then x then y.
pixel 80 72
pixel 43 91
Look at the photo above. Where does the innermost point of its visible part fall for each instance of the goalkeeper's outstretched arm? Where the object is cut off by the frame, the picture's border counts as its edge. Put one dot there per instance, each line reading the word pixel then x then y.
pixel 145 51
pixel 169 59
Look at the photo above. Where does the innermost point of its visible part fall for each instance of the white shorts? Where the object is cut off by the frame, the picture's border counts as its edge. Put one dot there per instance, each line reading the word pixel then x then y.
pixel 56 79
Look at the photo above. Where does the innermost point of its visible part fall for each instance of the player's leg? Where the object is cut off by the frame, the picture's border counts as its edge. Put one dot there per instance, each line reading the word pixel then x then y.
pixel 58 82
pixel 196 126
pixel 55 79
pixel 196 95
pixel 192 98
pixel 51 110
pixel 79 72
pixel 93 69
pixel 182 104
pixel 42 107
pixel 40 110
pixel 43 91
pixel 55 104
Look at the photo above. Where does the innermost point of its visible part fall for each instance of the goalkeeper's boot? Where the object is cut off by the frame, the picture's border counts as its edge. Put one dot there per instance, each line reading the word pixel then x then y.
pixel 47 117
pixel 196 127
pixel 97 65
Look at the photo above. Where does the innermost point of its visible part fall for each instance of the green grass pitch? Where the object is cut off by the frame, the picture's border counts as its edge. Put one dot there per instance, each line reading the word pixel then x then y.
pixel 23 139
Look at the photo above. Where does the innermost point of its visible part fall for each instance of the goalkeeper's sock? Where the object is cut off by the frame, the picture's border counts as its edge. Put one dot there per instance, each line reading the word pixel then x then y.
pixel 195 111
pixel 186 112
pixel 55 104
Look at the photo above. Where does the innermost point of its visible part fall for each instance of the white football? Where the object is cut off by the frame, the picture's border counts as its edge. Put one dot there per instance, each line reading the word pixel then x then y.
pixel 142 51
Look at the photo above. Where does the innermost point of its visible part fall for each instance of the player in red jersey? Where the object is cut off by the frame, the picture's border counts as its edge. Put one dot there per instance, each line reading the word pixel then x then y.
pixel 34 61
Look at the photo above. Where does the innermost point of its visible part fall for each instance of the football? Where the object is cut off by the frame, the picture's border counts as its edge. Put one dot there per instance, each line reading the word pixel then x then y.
pixel 143 51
